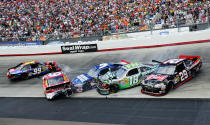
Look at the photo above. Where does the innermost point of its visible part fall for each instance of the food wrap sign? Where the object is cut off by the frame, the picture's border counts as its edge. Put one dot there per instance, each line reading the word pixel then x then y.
pixel 79 48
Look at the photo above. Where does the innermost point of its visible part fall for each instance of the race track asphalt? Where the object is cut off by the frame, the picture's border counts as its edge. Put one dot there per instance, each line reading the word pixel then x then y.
pixel 188 104
pixel 107 111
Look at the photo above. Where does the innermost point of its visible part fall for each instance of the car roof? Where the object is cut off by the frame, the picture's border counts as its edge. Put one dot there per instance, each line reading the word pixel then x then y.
pixel 134 65
pixel 172 61
pixel 103 66
pixel 29 62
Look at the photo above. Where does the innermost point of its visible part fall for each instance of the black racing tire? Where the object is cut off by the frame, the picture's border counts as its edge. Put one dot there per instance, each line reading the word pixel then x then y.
pixel 169 87
pixel 114 88
pixel 68 93
pixel 193 73
pixel 25 76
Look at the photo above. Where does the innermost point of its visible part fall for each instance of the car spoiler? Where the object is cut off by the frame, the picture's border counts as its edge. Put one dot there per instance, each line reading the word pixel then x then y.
pixel 188 57
pixel 124 61
pixel 156 61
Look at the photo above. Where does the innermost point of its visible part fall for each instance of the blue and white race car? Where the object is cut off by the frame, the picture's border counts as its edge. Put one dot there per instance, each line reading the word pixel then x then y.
pixel 87 81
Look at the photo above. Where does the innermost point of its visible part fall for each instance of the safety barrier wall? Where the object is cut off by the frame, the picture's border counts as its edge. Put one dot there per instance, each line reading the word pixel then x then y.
pixel 161 38
pixel 134 40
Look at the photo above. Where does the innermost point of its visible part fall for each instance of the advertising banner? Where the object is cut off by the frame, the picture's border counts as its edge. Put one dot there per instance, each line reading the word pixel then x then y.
pixel 21 43
pixel 79 48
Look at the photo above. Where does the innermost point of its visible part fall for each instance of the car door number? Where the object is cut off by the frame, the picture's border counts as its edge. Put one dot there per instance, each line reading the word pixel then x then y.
pixel 37 70
pixel 183 75
pixel 134 80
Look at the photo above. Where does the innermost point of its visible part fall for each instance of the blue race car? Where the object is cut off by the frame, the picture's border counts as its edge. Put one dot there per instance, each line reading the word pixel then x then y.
pixel 29 69
pixel 87 81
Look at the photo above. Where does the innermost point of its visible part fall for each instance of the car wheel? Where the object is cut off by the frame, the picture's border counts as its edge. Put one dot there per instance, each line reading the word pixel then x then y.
pixel 25 76
pixel 169 87
pixel 68 93
pixel 193 73
pixel 114 88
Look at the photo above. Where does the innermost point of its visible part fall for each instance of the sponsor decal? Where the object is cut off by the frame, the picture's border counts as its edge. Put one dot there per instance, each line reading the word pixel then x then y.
pixel 195 63
pixel 132 65
pixel 82 78
pixel 124 81
pixel 160 78
pixel 177 79
pixel 172 61
pixel 79 48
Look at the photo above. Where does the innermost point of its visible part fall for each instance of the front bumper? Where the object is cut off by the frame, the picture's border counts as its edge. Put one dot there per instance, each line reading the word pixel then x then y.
pixel 102 90
pixel 8 75
pixel 150 90
pixel 12 76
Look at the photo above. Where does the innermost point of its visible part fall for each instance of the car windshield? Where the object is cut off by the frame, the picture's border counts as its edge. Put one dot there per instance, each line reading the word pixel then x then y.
pixel 93 72
pixel 55 80
pixel 19 66
pixel 107 75
pixel 120 72
pixel 166 69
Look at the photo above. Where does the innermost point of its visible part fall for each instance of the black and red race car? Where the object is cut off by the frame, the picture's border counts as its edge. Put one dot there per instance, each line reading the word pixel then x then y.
pixel 171 74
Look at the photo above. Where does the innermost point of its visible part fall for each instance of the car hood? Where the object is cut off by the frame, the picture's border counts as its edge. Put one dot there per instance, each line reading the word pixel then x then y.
pixel 155 79
pixel 82 79
pixel 16 71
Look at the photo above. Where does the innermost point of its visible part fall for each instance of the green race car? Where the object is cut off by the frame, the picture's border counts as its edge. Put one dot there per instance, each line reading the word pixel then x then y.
pixel 129 75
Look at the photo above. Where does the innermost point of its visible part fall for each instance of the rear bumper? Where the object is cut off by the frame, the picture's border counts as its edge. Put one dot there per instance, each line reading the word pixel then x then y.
pixel 54 94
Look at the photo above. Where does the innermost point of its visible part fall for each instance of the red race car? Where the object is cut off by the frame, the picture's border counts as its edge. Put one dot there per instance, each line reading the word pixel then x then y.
pixel 56 84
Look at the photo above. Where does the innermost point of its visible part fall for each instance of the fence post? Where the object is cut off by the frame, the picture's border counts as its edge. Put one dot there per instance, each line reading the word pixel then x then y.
pixel 208 13
pixel 150 24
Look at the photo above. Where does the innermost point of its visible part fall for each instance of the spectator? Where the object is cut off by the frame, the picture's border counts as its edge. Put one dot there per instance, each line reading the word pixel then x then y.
pixel 34 19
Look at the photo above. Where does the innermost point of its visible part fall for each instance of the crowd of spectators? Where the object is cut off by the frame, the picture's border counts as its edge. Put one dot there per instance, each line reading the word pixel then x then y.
pixel 39 19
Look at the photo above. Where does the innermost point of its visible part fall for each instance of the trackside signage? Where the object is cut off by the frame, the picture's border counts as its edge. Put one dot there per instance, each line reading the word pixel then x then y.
pixel 21 43
pixel 79 48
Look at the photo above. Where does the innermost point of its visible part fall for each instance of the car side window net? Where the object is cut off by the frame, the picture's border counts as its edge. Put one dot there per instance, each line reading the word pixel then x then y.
pixel 35 65
pixel 180 67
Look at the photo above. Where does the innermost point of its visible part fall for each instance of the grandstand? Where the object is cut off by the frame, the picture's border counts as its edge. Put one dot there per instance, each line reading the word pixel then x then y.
pixel 40 20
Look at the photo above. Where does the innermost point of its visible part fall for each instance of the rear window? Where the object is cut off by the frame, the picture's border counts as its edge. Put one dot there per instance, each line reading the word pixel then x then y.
pixel 55 80
pixel 166 69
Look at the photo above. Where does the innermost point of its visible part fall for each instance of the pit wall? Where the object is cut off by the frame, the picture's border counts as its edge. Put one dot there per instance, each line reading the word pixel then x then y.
pixel 148 39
